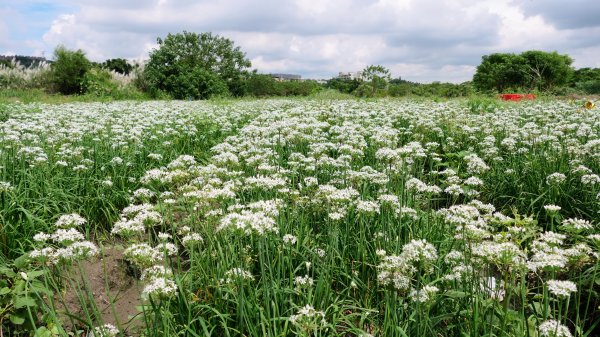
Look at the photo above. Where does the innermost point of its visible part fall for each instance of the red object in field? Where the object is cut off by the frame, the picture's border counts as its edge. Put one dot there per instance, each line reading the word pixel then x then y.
pixel 517 97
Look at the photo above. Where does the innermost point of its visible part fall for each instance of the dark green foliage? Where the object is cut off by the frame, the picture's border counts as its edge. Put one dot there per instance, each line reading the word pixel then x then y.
pixel 260 85
pixel 343 85
pixel 299 88
pixel 499 72
pixel 24 61
pixel 68 71
pixel 6 63
pixel 189 65
pixel 118 65
pixel 545 71
pixel 194 83
pixel 585 75
pixel 530 70
pixel 586 80
pixel 589 87
pixel 435 89
pixel 98 83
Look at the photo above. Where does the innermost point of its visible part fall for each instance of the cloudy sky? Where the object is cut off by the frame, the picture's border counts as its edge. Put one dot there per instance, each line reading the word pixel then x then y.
pixel 418 40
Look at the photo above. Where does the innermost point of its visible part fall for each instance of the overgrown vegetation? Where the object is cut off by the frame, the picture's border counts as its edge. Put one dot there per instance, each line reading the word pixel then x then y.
pixel 300 218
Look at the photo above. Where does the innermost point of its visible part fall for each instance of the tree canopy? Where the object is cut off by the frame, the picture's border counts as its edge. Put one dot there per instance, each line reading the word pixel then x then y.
pixel 529 70
pixel 190 65
pixel 376 79
pixel 118 65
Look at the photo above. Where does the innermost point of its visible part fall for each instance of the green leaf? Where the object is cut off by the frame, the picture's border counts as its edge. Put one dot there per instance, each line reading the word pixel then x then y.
pixel 35 273
pixel 38 287
pixel 456 294
pixel 22 302
pixel 8 272
pixel 4 291
pixel 16 319
pixel 44 332
pixel 22 261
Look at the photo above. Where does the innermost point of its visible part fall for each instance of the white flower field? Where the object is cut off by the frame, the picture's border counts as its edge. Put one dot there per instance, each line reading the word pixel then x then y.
pixel 301 218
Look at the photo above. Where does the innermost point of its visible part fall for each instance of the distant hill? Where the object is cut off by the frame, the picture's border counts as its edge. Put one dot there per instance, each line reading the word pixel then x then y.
pixel 26 61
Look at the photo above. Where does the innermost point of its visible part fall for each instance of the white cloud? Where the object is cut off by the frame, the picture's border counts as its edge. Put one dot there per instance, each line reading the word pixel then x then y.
pixel 419 40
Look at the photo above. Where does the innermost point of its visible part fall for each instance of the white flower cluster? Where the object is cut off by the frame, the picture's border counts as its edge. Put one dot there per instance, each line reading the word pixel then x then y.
pixel 576 225
pixel 552 208
pixel 398 270
pixel 142 255
pixel 135 219
pixel 424 295
pixel 303 282
pixel 5 186
pixel 290 239
pixel 416 185
pixel 106 330
pixel 553 328
pixel 308 319
pixel 70 220
pixel 65 244
pixel 556 178
pixel 562 289
pixel 249 222
pixel 235 275
pixel 159 288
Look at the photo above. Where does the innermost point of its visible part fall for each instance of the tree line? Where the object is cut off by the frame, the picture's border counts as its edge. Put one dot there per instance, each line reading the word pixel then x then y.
pixel 534 70
pixel 189 65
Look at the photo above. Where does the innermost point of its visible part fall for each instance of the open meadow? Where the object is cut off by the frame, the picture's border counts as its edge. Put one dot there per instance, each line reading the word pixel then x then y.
pixel 300 217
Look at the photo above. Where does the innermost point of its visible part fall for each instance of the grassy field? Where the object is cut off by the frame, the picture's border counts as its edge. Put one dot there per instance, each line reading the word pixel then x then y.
pixel 300 218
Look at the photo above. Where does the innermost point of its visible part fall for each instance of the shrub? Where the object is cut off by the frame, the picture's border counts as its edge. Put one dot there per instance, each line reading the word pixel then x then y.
pixel 68 70
pixel 589 87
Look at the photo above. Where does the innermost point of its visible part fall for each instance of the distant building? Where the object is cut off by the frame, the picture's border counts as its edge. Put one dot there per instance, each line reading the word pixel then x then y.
pixel 350 75
pixel 286 77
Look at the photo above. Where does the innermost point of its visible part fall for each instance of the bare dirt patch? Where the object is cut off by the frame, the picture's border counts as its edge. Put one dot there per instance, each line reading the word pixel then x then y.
pixel 112 293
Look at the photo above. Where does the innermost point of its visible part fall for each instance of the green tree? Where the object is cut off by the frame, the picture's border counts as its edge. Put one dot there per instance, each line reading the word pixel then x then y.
pixel 499 72
pixel 196 65
pixel 118 65
pixel 376 79
pixel 68 70
pixel 529 70
pixel 545 71
pixel 586 74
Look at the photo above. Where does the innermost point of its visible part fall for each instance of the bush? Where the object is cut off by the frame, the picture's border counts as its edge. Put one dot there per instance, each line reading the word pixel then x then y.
pixel 331 94
pixel 68 71
pixel 97 82
pixel 400 90
pixel 589 87
pixel 299 88
pixel 260 85
pixel 102 84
